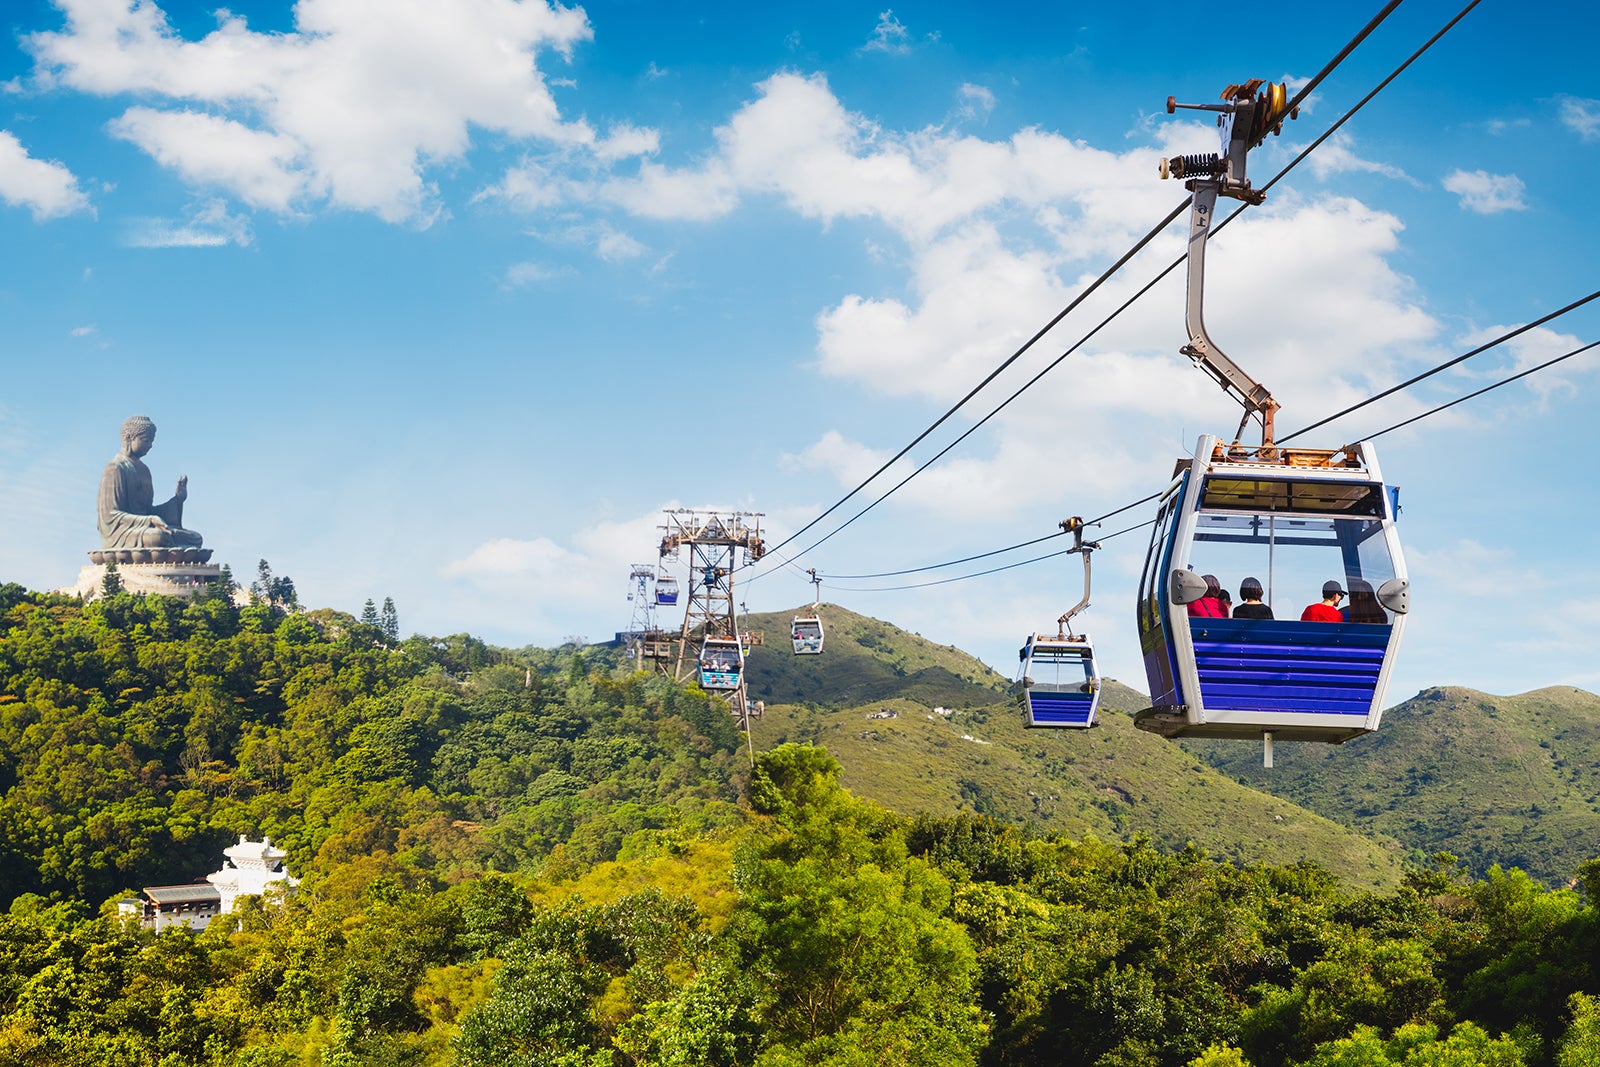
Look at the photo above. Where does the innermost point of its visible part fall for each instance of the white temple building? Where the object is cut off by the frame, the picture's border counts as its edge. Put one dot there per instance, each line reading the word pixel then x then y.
pixel 249 869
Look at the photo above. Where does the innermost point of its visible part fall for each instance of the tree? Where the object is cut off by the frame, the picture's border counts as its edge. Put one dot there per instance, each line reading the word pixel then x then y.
pixel 277 592
pixel 390 621
pixel 111 584
pixel 369 614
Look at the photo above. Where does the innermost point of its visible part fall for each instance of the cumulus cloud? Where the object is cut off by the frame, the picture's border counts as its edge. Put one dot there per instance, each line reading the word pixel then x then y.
pixel 1485 193
pixel 1337 155
pixel 352 107
pixel 210 225
pixel 1581 116
pixel 46 188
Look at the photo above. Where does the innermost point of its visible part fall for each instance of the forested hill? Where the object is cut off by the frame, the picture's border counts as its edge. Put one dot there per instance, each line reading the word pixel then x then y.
pixel 534 857
pixel 1513 781
pixel 1113 781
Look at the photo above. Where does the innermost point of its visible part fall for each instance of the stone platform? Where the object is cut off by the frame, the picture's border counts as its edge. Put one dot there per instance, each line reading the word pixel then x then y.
pixel 164 579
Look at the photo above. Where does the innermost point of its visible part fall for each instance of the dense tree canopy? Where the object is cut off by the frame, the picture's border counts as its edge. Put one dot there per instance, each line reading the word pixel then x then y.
pixel 535 858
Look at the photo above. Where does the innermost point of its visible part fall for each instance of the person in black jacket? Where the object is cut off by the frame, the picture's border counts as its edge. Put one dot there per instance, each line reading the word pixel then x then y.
pixel 1252 608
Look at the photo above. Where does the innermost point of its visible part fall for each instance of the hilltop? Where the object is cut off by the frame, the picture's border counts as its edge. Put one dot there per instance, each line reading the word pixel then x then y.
pixel 866 659
pixel 919 726
pixel 1508 780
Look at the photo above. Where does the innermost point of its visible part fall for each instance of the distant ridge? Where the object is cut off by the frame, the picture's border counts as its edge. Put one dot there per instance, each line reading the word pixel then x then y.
pixel 1508 780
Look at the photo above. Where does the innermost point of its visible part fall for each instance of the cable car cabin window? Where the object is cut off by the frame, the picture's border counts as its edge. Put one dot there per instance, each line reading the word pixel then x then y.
pixel 1306 496
pixel 1293 557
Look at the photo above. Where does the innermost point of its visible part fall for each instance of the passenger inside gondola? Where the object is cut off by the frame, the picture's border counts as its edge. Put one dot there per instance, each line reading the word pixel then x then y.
pixel 1327 609
pixel 1209 606
pixel 1251 607
pixel 1364 605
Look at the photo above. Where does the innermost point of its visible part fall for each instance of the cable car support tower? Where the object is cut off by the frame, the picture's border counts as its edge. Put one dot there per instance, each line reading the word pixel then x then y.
pixel 714 541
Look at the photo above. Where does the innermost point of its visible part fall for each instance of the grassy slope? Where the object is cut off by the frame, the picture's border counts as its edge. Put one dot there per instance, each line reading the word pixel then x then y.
pixel 1113 781
pixel 1507 780
pixel 865 659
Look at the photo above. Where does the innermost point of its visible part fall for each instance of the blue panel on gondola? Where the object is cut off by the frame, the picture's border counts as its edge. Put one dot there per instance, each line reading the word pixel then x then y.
pixel 1061 709
pixel 1312 667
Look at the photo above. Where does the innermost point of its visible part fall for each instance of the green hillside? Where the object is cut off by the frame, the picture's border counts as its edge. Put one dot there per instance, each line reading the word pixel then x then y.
pixel 866 659
pixel 1508 780
pixel 1113 781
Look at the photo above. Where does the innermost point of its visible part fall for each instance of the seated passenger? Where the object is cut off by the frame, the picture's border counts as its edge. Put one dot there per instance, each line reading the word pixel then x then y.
pixel 1252 607
pixel 1364 606
pixel 1328 609
pixel 1209 606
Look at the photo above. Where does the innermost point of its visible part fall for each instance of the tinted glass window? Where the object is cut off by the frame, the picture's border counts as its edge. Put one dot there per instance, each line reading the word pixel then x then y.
pixel 1234 493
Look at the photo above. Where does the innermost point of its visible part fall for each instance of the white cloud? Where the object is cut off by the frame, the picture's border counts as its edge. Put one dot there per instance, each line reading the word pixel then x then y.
pixel 521 275
pixel 84 331
pixel 626 141
pixel 1581 116
pixel 46 188
pixel 1486 193
pixel 209 226
pixel 615 246
pixel 263 168
pixel 1536 346
pixel 889 36
pixel 974 102
pixel 1337 155
pixel 539 585
pixel 353 106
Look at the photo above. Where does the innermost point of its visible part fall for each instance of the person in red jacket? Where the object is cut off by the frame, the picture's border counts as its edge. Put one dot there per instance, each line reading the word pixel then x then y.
pixel 1209 606
pixel 1328 609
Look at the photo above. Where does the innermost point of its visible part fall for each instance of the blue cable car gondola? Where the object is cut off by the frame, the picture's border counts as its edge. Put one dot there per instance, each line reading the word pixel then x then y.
pixel 1284 523
pixel 1059 684
pixel 1293 524
pixel 721 664
pixel 666 590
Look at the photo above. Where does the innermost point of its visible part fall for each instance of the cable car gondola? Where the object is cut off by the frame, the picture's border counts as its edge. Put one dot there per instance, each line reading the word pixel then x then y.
pixel 1294 523
pixel 666 590
pixel 721 664
pixel 1059 684
pixel 807 635
pixel 806 631
pixel 1294 520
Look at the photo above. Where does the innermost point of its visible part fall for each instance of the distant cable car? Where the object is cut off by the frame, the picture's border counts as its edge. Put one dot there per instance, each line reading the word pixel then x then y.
pixel 1059 684
pixel 807 635
pixel 1288 523
pixel 1309 519
pixel 666 589
pixel 807 629
pixel 721 664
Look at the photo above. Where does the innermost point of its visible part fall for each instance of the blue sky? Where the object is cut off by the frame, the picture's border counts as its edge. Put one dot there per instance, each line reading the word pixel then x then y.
pixel 445 300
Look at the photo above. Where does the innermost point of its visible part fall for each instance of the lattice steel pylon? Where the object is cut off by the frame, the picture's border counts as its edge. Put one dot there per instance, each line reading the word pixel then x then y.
pixel 642 623
pixel 715 541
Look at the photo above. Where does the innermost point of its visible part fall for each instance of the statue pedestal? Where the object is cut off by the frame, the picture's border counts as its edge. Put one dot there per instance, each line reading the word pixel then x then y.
pixel 163 579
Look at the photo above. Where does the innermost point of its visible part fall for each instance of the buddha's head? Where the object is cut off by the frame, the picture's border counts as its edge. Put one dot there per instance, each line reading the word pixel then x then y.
pixel 138 434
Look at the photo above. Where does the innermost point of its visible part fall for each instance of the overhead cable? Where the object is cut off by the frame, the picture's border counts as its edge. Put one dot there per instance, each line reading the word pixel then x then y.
pixel 1446 365
pixel 1300 96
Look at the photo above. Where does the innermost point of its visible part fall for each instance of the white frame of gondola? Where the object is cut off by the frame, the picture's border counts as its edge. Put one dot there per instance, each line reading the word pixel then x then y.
pixel 1076 642
pixel 807 650
pixel 1200 721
